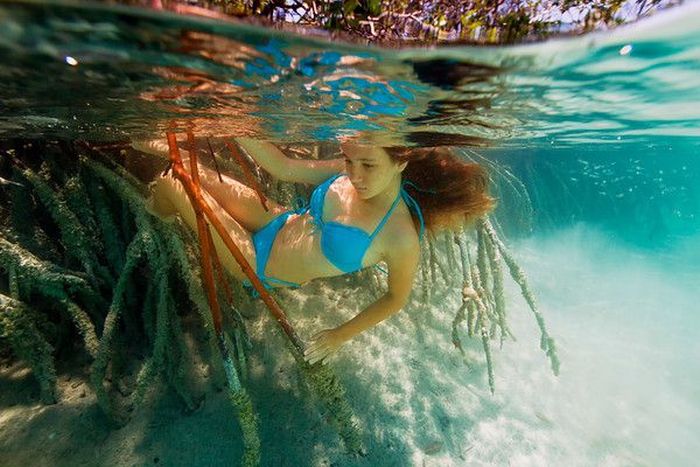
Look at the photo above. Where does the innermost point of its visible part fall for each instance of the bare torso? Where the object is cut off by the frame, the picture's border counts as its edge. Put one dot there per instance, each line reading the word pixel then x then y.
pixel 361 200
pixel 296 254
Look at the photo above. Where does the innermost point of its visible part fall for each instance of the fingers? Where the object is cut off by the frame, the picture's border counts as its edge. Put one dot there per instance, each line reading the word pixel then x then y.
pixel 318 349
pixel 316 356
pixel 316 352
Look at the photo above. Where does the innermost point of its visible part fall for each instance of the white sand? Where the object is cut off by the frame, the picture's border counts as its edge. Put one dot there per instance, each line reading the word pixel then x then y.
pixel 625 321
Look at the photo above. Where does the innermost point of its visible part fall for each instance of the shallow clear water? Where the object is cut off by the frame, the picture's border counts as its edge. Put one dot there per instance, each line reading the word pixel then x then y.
pixel 603 131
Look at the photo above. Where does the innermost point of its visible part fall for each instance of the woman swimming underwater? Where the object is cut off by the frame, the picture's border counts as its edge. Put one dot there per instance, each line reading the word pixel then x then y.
pixel 372 205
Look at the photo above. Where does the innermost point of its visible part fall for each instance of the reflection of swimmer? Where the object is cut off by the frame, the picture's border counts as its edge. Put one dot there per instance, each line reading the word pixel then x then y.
pixel 370 206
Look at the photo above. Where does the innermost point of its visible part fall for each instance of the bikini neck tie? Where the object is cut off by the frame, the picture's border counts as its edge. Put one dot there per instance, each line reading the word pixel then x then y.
pixel 414 204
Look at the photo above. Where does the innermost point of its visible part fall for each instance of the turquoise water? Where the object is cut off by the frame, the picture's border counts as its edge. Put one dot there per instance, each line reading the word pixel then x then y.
pixel 603 132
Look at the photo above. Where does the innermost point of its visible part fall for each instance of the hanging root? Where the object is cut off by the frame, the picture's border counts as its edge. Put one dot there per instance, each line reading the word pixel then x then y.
pixel 124 293
pixel 47 279
pixel 85 326
pixel 492 263
pixel 483 301
pixel 460 317
pixel 247 418
pixel 78 201
pixel 327 387
pixel 113 244
pixel 433 262
pixel 467 286
pixel 99 366
pixel 155 363
pixel 248 421
pixel 483 317
pixel 546 342
pixel 487 352
pixel 73 235
pixel 17 326
pixel 449 247
pixel 209 261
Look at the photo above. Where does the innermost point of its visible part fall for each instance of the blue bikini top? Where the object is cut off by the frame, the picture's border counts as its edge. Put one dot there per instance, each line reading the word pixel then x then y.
pixel 345 245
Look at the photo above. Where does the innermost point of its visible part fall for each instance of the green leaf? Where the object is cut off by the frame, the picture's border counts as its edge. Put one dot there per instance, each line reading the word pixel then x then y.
pixel 349 6
pixel 374 7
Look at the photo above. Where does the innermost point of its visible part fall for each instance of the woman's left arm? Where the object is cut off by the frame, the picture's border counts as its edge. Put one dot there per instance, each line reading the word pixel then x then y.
pixel 402 261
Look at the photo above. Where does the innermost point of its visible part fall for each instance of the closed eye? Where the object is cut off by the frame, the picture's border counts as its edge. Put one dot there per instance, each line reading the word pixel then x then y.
pixel 364 164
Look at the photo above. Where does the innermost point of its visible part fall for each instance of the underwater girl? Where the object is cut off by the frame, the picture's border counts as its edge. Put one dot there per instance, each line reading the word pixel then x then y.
pixel 372 205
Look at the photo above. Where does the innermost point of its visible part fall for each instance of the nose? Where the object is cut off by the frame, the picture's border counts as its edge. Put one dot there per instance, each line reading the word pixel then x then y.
pixel 355 174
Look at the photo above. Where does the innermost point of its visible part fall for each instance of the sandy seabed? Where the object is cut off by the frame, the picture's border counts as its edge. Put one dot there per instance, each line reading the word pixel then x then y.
pixel 627 329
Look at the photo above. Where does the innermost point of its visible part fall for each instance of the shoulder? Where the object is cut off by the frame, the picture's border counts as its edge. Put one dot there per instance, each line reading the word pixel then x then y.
pixel 323 187
pixel 401 237
pixel 342 180
pixel 402 256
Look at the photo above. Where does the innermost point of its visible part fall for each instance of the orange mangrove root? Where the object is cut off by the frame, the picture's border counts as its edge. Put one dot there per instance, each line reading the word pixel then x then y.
pixel 205 240
pixel 203 209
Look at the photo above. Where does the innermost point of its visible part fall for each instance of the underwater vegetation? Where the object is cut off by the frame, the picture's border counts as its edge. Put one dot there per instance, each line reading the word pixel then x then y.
pixel 80 256
pixel 85 268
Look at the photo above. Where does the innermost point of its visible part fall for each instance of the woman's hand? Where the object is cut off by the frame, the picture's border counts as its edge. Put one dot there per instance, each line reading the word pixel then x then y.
pixel 323 344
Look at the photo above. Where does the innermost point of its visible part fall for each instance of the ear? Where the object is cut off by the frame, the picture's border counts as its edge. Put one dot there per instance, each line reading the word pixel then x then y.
pixel 402 166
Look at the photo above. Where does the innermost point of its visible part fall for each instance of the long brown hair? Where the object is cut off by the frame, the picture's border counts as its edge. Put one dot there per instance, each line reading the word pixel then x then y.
pixel 449 192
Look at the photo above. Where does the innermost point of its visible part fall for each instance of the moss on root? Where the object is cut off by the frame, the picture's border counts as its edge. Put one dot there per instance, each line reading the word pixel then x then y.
pixel 18 327
pixel 483 308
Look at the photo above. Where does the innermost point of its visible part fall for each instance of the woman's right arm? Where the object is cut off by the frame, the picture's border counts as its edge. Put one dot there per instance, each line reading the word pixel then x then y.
pixel 270 158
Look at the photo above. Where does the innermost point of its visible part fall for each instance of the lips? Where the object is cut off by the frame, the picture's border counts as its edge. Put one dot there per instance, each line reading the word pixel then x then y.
pixel 357 187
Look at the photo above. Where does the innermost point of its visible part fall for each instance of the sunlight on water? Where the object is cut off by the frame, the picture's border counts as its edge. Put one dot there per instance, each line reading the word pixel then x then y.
pixel 134 71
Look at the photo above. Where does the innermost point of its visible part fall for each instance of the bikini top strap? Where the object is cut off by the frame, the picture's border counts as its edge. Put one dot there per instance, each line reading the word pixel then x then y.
pixel 412 203
pixel 318 199
pixel 386 216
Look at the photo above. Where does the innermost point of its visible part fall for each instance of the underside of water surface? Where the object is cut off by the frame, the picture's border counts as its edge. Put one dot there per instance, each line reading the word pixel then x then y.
pixel 591 144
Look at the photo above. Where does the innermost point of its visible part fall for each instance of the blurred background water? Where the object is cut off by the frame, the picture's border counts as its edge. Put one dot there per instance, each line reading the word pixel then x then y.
pixel 602 131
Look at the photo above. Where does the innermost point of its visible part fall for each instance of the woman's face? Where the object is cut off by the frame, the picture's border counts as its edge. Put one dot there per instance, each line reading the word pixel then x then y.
pixel 370 169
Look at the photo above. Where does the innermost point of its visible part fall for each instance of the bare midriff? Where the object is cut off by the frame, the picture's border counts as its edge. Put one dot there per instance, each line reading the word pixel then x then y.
pixel 296 254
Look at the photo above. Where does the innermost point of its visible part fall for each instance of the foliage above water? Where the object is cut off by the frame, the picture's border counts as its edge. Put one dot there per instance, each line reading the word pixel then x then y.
pixel 438 21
